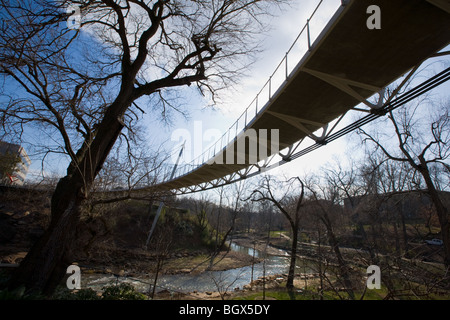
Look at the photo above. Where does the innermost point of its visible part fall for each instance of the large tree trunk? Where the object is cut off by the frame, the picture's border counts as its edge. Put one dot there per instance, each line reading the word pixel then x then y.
pixel 291 274
pixel 404 230
pixel 441 210
pixel 333 241
pixel 342 265
pixel 46 263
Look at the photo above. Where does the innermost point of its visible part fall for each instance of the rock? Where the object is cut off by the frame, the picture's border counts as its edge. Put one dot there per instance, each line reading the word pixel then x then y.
pixel 20 215
pixel 88 271
pixel 208 293
pixel 164 292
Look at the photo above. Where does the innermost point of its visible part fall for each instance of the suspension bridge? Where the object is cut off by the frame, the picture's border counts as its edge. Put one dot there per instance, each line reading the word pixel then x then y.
pixel 321 79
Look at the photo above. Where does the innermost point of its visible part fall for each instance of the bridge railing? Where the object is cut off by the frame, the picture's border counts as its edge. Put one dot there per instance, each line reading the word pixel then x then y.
pixel 303 43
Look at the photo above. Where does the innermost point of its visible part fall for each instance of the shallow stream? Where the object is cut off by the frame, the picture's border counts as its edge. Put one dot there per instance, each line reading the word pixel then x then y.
pixel 206 281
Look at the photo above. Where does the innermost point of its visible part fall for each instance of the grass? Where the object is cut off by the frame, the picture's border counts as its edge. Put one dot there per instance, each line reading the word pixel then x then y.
pixel 401 293
pixel 283 294
pixel 394 289
pixel 311 294
pixel 277 234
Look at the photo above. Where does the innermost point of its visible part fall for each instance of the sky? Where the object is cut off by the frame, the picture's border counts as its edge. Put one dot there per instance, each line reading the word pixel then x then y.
pixel 205 124
pixel 213 122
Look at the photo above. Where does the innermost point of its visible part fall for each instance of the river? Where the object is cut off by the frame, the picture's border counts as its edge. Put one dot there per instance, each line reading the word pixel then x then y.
pixel 226 280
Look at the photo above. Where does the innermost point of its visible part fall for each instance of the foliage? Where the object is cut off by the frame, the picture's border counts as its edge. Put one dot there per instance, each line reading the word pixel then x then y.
pixel 122 291
pixel 185 227
pixel 8 162
pixel 82 294
pixel 207 237
pixel 311 294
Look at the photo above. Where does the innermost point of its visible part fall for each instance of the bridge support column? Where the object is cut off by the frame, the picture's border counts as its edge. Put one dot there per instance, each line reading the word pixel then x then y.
pixel 161 203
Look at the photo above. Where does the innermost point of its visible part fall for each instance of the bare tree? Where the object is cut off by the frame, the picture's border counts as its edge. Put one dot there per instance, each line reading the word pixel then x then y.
pixel 161 246
pixel 202 208
pixel 224 282
pixel 348 184
pixel 233 207
pixel 325 204
pixel 289 205
pixel 83 87
pixel 421 150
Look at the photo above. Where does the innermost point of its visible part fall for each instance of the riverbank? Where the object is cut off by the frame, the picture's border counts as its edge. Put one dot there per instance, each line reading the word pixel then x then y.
pixel 141 262
pixel 189 276
pixel 260 245
pixel 266 287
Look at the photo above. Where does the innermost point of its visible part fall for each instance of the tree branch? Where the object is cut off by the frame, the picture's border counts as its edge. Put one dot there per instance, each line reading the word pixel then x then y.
pixel 381 147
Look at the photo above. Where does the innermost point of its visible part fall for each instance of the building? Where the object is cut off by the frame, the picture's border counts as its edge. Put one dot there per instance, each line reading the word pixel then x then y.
pixel 14 165
pixel 413 206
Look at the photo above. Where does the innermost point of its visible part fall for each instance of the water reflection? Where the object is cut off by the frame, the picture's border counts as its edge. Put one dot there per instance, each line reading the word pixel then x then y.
pixel 250 251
